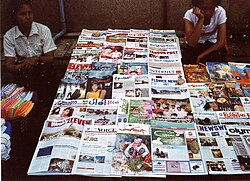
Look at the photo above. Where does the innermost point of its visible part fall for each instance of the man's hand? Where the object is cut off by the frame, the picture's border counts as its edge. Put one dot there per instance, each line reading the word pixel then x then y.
pixel 198 13
pixel 29 63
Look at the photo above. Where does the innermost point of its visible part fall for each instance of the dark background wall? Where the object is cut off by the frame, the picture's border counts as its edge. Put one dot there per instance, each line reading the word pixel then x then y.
pixel 103 14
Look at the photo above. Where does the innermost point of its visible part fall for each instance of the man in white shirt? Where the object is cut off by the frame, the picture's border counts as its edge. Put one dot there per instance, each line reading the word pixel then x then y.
pixel 205 32
pixel 28 47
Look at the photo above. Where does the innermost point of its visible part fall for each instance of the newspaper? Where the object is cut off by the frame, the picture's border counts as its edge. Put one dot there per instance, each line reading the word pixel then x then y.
pixel 57 146
pixel 135 54
pixel 123 86
pixel 111 52
pixel 170 140
pixel 62 109
pixel 246 103
pixel 134 110
pixel 206 118
pixel 174 80
pixel 95 152
pixel 102 111
pixel 218 150
pixel 233 117
pixel 137 39
pixel 130 86
pixel 240 137
pixel 85 54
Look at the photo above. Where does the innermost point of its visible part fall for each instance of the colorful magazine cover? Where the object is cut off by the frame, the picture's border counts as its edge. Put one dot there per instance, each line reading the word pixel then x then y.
pixel 246 89
pixel 134 110
pixel 241 71
pixel 234 89
pixel 71 89
pixel 132 153
pixel 99 84
pixel 111 52
pixel 196 73
pixel 171 108
pixel 220 72
pixel 77 71
pixel 229 104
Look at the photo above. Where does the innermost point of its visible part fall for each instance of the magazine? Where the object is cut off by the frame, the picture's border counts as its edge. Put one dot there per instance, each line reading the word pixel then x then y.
pixel 169 141
pixel 174 80
pixel 220 72
pixel 218 150
pixel 133 68
pixel 196 73
pixel 137 39
pixel 99 84
pixel 70 89
pixel 169 91
pixel 234 89
pixel 241 71
pixel 162 33
pixel 77 72
pixel 93 33
pixel 132 153
pixel 142 86
pixel 246 89
pixel 172 109
pixel 206 118
pixel 85 54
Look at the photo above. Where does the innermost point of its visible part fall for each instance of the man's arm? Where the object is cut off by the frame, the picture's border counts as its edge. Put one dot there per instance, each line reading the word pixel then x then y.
pixel 221 38
pixel 193 33
pixel 11 66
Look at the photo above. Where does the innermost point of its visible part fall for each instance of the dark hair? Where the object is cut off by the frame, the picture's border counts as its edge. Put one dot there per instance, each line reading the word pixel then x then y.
pixel 198 3
pixel 19 3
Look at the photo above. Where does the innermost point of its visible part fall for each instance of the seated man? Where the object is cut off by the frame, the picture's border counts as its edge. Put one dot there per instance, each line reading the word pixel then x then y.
pixel 29 49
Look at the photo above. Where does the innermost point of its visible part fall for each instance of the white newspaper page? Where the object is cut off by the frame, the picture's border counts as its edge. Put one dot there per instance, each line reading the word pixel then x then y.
pixel 57 147
pixel 176 150
pixel 218 150
pixel 240 138
pixel 102 111
pixel 95 153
